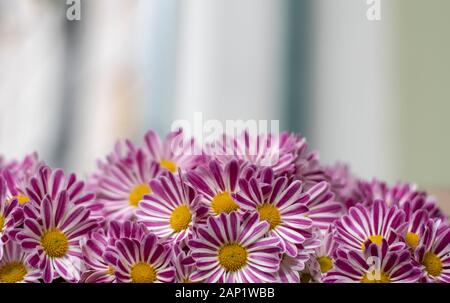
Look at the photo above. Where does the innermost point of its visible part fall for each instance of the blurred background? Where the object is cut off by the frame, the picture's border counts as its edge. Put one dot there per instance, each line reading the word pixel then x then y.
pixel 375 94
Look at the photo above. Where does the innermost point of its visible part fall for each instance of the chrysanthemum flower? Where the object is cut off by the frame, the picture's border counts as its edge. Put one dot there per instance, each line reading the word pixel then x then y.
pixel 99 261
pixel 369 224
pixel 145 261
pixel 280 202
pixel 53 237
pixel 323 258
pixel 217 183
pixel 413 229
pixel 14 267
pixel 174 152
pixel 183 263
pixel 11 215
pixel 231 248
pixel 433 251
pixel 123 183
pixel 52 183
pixel 377 264
pixel 18 176
pixel 278 151
pixel 173 209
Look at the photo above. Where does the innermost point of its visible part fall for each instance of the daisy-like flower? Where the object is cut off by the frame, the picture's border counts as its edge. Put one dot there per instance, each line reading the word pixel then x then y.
pixel 98 260
pixel 173 209
pixel 217 183
pixel 122 183
pixel 234 249
pixel 369 224
pixel 174 152
pixel 18 176
pixel 433 251
pixel 14 267
pixel 413 229
pixel 184 264
pixel 377 264
pixel 145 261
pixel 52 183
pixel 324 256
pixel 281 203
pixel 278 151
pixel 11 215
pixel 53 237
pixel 323 210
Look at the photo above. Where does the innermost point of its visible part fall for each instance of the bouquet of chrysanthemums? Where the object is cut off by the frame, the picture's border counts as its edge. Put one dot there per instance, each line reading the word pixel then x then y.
pixel 245 208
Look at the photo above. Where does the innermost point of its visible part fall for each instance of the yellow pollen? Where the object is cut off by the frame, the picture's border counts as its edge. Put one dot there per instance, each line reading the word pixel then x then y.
pixel 55 243
pixel 180 218
pixel 305 277
pixel 377 239
pixel 22 199
pixel 143 273
pixel 138 192
pixel 232 257
pixel 223 203
pixel 373 278
pixel 169 165
pixel 432 263
pixel 412 239
pixel 2 223
pixel 186 280
pixel 326 263
pixel 110 270
pixel 269 213
pixel 12 272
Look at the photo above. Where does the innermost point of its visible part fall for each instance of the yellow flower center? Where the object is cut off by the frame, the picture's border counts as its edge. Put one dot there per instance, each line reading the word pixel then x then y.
pixel 186 280
pixel 432 263
pixel 169 165
pixel 412 239
pixel 55 243
pixel 12 272
pixel 111 271
pixel 375 278
pixel 22 199
pixel 232 257
pixel 2 223
pixel 143 273
pixel 269 213
pixel 138 192
pixel 180 218
pixel 223 203
pixel 377 239
pixel 326 263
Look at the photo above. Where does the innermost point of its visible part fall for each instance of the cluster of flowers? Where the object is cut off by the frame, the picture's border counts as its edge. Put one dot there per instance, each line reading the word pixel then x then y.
pixel 152 213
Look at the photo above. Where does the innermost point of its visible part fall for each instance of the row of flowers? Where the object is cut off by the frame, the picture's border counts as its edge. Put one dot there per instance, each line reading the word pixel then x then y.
pixel 153 213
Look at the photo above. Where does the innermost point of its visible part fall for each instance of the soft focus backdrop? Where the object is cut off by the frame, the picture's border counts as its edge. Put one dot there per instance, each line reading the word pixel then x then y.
pixel 375 94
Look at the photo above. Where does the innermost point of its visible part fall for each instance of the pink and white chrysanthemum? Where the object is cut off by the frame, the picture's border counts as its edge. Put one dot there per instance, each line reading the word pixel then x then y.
pixel 14 267
pixel 235 249
pixel 308 168
pixel 183 263
pixel 377 264
pixel 123 183
pixel 173 209
pixel 433 251
pixel 11 215
pixel 145 261
pixel 280 202
pixel 365 224
pixel 412 231
pixel 278 151
pixel 18 176
pixel 53 237
pixel 173 152
pixel 52 183
pixel 217 183
pixel 343 184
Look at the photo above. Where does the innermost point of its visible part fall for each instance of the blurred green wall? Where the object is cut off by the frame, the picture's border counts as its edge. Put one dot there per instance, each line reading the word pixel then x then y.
pixel 422 34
